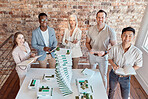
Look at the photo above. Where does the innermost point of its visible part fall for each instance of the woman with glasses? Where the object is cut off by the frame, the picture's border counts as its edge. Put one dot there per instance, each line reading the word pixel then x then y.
pixel 72 39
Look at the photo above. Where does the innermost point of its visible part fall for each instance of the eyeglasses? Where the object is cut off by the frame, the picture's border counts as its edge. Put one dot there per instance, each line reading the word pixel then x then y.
pixel 42 20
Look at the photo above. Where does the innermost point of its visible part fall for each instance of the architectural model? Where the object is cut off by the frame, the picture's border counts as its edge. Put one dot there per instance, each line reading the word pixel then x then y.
pixel 84 88
pixel 48 77
pixel 64 70
pixel 44 92
pixel 33 83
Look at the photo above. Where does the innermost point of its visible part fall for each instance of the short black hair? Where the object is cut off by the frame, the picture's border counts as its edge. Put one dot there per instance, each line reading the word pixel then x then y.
pixel 100 12
pixel 128 29
pixel 42 14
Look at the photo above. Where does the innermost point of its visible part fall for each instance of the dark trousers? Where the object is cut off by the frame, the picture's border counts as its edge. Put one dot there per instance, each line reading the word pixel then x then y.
pixel 124 85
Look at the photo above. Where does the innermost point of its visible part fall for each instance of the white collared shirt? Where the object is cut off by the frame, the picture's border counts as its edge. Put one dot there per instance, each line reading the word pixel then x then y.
pixel 133 56
pixel 45 35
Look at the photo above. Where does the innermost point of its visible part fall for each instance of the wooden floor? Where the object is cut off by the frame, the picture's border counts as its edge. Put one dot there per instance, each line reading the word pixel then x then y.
pixel 11 87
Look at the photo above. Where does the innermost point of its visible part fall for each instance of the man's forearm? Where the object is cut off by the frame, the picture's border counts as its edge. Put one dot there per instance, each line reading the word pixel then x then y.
pixel 112 63
pixel 115 66
pixel 88 46
pixel 37 47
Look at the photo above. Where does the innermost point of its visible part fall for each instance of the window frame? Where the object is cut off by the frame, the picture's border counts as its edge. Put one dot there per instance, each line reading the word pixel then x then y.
pixel 145 42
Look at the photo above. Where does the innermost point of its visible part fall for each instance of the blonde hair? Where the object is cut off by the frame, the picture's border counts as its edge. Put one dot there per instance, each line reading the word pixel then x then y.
pixel 74 16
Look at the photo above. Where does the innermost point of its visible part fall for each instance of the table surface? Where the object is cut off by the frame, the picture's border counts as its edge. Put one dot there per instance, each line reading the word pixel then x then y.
pixel 96 82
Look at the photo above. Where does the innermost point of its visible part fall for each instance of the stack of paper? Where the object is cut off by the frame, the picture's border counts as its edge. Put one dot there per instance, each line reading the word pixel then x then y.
pixel 64 70
pixel 28 61
pixel 88 72
pixel 126 70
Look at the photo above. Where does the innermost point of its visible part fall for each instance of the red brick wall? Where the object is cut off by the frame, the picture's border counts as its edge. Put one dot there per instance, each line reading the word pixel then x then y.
pixel 22 15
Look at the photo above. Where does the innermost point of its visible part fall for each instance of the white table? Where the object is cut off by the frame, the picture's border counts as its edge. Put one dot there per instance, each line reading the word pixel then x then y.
pixel 96 82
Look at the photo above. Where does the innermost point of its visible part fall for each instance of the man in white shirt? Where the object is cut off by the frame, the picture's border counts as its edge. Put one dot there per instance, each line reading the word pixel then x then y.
pixel 124 54
pixel 97 41
pixel 44 40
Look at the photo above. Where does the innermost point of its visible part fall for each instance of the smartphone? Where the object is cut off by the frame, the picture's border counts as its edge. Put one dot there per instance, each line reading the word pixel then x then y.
pixel 96 54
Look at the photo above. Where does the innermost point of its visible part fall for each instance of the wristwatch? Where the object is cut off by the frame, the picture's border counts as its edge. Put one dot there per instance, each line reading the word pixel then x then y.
pixel 105 52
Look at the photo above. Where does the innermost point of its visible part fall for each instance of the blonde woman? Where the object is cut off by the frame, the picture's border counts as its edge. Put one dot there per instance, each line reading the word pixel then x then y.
pixel 72 39
pixel 21 51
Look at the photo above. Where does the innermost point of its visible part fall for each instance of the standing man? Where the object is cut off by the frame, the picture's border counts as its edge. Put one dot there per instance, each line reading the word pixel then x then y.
pixel 44 40
pixel 124 54
pixel 97 41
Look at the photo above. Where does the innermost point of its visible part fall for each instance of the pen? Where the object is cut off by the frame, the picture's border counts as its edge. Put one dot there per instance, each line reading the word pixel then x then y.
pixel 43 76
pixel 91 89
pixel 51 91
pixel 76 82
pixel 116 64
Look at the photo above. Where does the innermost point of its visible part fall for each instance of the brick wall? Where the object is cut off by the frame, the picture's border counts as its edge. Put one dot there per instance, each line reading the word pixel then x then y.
pixel 22 15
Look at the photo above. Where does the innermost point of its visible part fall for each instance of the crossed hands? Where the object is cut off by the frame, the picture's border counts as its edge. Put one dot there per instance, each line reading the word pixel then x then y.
pixel 74 41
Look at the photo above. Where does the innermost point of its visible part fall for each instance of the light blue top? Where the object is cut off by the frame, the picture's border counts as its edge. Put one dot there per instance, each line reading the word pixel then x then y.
pixel 38 42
